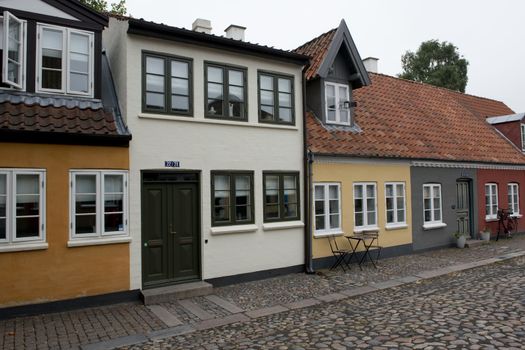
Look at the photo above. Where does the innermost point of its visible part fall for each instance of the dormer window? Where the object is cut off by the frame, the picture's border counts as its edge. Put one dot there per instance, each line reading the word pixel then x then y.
pixel 337 103
pixel 523 137
pixel 65 60
pixel 12 44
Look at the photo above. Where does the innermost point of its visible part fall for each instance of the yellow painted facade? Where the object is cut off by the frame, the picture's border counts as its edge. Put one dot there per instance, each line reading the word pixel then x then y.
pixel 59 272
pixel 348 173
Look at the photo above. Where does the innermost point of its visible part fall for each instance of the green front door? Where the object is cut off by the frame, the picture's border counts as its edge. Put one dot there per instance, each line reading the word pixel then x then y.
pixel 463 207
pixel 170 235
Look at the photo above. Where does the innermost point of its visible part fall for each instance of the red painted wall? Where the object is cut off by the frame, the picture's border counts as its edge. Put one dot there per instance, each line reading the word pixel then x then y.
pixel 512 131
pixel 501 178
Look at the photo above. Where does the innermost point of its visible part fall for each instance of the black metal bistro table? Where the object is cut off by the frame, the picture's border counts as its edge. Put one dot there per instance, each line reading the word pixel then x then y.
pixel 367 240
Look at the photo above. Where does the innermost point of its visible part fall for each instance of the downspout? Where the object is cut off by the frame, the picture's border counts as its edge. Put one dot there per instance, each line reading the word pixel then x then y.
pixel 308 190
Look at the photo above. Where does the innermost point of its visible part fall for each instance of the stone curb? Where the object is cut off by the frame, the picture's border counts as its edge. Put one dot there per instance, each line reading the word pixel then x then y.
pixel 317 300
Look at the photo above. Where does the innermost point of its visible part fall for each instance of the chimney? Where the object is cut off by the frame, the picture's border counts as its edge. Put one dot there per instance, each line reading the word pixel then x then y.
pixel 371 64
pixel 202 26
pixel 235 32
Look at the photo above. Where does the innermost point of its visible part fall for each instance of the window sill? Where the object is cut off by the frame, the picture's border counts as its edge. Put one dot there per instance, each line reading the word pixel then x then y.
pixel 516 216
pixel 221 230
pixel 283 225
pixel 328 233
pixel 226 122
pixel 97 241
pixel 21 247
pixel 434 226
pixel 395 227
pixel 366 229
pixel 490 219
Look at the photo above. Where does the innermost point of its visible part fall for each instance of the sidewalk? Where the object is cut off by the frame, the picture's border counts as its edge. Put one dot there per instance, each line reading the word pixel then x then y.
pixel 126 324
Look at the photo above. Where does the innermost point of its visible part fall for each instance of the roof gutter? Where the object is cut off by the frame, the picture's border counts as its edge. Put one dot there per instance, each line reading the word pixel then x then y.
pixel 308 190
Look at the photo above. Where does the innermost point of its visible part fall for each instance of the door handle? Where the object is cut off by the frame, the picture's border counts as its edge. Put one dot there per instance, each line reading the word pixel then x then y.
pixel 171 230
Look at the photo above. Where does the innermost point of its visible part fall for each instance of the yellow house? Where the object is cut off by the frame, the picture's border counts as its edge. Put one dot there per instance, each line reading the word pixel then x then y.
pixel 353 189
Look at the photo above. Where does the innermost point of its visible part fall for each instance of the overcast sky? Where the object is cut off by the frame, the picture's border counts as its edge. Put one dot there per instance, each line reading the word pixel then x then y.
pixel 490 34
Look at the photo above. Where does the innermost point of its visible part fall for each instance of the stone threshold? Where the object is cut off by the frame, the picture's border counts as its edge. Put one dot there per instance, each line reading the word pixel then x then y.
pixel 318 300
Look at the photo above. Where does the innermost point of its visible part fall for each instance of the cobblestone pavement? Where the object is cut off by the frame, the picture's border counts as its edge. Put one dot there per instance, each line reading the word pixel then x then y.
pixel 482 308
pixel 69 330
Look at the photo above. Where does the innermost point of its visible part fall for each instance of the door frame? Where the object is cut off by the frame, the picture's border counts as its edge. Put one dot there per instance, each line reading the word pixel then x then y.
pixel 197 173
pixel 470 184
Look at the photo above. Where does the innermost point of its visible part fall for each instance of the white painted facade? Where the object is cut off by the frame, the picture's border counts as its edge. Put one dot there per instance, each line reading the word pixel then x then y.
pixel 210 144
pixel 31 5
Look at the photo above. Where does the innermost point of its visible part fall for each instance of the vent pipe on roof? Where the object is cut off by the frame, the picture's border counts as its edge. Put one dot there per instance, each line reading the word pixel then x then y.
pixel 235 32
pixel 202 26
pixel 371 64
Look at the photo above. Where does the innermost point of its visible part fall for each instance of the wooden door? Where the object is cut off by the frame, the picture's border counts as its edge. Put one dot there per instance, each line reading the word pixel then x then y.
pixel 463 207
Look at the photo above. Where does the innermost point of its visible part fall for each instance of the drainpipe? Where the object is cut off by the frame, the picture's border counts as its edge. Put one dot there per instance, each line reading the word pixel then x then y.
pixel 308 190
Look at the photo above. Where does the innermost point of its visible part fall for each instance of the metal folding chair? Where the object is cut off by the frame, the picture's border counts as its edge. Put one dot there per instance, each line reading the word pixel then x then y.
pixel 339 254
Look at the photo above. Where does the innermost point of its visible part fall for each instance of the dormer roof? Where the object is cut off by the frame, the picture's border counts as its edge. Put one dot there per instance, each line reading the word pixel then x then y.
pixel 324 49
pixel 505 118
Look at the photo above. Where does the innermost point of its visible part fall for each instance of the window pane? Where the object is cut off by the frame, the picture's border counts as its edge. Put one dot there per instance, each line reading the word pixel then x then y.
pixel 179 86
pixel 358 205
pixel 113 203
pixel 426 203
pixel 290 182
pixel 235 77
pixel 436 203
pixel 285 114
pixel 236 109
pixel 331 115
pixel 389 216
pixel 333 192
pixel 27 227
pixel 400 203
pixel 389 190
pixel 334 221
pixel 267 97
pixel 428 215
pixel 285 85
pixel 155 65
pixel 266 113
pixel 319 207
pixel 290 210
pixel 290 196
pixel 437 215
pixel 79 43
pixel 86 203
pixel 319 192
pixel 330 92
pixel 242 213
pixel 27 205
pixel 371 216
pixel 113 222
pixel 319 223
pixel 242 183
pixel 180 103
pixel 27 184
pixel 236 94
pixel 215 75
pixel 272 192
pixel 222 182
pixel 154 100
pixel 179 69
pixel 343 90
pixel 358 219
pixel 358 191
pixel 334 206
pixel 437 192
pixel 399 190
pixel 285 100
pixel 79 82
pixel 400 215
pixel 389 203
pixel 154 83
pixel 215 107
pixel 344 115
pixel 51 79
pixel 113 183
pixel 266 82
pixel 426 192
pixel 2 228
pixel 85 224
pixel 214 91
pixel 271 211
pixel 86 184
pixel 370 191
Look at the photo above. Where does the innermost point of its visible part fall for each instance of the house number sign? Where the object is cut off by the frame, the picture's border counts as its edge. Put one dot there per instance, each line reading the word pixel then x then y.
pixel 171 164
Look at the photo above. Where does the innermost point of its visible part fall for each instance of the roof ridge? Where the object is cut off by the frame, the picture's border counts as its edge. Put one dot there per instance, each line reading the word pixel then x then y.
pixel 437 87
pixel 316 38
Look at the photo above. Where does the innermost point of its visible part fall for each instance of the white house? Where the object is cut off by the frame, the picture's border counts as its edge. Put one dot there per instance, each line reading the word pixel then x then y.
pixel 216 161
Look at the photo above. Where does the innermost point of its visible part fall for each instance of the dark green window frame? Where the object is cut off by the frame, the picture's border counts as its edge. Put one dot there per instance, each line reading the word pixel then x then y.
pixel 281 203
pixel 276 92
pixel 232 203
pixel 227 85
pixel 168 87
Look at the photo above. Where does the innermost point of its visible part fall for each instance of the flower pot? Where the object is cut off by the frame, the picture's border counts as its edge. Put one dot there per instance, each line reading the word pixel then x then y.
pixel 461 241
pixel 485 235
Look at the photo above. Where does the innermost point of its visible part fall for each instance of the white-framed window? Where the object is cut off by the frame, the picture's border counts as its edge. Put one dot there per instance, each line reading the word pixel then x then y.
pixel 395 203
pixel 22 207
pixel 337 100
pixel 432 210
pixel 99 204
pixel 491 201
pixel 523 137
pixel 65 60
pixel 365 205
pixel 327 199
pixel 13 45
pixel 514 198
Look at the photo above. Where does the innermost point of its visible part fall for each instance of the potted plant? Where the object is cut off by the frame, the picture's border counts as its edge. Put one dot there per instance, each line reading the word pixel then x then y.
pixel 461 238
pixel 485 233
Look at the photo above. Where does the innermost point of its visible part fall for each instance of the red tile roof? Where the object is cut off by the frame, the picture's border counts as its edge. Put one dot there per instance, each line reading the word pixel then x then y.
pixel 23 117
pixel 316 49
pixel 405 119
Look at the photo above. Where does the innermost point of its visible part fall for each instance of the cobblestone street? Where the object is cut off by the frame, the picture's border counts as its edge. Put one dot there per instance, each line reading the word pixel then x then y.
pixel 482 308
pixel 263 311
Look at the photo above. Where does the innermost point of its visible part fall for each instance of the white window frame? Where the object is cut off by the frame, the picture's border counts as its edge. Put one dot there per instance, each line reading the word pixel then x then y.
pixel 100 234
pixel 433 221
pixel 66 80
pixel 366 225
pixel 328 231
pixel 396 222
pixel 522 137
pixel 493 189
pixel 513 188
pixel 23 53
pixel 337 98
pixel 11 242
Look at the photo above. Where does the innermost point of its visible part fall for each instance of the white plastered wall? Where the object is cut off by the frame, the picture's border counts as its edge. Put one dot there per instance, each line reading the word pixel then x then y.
pixel 205 145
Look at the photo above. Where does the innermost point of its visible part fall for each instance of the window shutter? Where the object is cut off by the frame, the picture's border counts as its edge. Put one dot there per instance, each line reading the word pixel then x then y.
pixel 13 65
